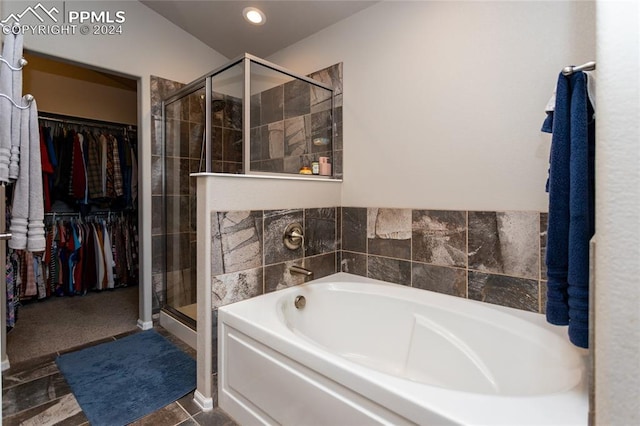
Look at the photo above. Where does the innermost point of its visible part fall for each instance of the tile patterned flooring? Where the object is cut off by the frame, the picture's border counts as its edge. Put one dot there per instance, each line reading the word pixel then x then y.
pixel 34 392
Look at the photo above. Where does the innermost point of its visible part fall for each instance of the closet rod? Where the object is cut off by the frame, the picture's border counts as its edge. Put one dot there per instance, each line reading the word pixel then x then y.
pixel 84 122
pixel 589 66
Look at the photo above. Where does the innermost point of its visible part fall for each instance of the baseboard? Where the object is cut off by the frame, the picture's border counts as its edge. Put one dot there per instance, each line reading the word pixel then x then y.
pixel 145 325
pixel 178 329
pixel 205 404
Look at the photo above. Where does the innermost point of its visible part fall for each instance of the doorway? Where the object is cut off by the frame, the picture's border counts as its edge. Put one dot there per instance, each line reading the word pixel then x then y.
pixel 69 311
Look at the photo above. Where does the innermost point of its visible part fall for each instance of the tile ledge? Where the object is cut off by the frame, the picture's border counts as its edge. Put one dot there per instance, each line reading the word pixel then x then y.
pixel 268 176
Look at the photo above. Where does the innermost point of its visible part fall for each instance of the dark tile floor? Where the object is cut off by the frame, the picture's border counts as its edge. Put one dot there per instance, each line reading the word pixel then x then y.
pixel 34 392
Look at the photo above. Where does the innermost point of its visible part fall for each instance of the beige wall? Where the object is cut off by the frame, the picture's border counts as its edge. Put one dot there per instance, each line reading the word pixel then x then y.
pixel 79 92
pixel 444 100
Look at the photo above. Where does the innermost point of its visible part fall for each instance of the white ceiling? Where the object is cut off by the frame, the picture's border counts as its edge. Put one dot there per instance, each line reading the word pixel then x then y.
pixel 220 24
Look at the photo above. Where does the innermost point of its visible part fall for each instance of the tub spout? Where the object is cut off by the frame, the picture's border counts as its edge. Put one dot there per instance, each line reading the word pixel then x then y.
pixel 300 270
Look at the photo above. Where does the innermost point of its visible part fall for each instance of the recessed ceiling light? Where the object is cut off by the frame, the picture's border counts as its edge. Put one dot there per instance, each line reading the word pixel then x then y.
pixel 254 15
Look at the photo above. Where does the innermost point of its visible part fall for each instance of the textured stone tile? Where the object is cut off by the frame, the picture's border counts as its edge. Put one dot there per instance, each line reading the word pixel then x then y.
pixel 271 166
pixel 332 76
pixel 176 138
pixel 273 140
pixel 33 393
pixel 390 270
pixel 215 417
pixel 319 231
pixel 296 98
pixel 272 105
pixel 157 214
pixel 218 104
pixel 178 213
pixel 62 411
pixel 353 263
pixel 544 218
pixel 451 281
pixel 254 112
pixel 158 254
pixel 543 297
pixel 278 276
pixel 236 241
pixel 157 147
pixel 321 129
pixel 236 286
pixel 297 136
pixel 389 232
pixel 503 290
pixel 178 251
pixel 292 165
pixel 275 222
pixel 505 242
pixel 337 165
pixel 181 290
pixel 232 145
pixel 177 176
pixel 337 119
pixel 321 265
pixel 196 140
pixel 14 377
pixel 440 237
pixel 172 414
pixel 196 107
pixel 354 229
pixel 339 228
pixel 189 404
pixel 233 113
pixel 216 143
pixel 157 175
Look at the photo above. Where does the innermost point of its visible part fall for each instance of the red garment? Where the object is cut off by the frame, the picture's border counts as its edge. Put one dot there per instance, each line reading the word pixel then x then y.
pixel 78 175
pixel 47 171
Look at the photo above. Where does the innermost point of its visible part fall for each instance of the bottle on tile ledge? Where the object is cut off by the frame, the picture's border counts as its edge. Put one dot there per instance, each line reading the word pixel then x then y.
pixel 305 169
pixel 324 166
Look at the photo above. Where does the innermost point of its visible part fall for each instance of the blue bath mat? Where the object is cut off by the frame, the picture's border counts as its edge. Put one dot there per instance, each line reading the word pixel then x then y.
pixel 119 382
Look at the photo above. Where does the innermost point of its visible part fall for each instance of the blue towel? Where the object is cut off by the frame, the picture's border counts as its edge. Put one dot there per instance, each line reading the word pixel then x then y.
pixel 571 208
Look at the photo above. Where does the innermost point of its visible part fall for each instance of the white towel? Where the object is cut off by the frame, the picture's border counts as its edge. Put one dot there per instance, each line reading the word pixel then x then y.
pixel 27 216
pixel 15 115
pixel 591 88
pixel 20 207
pixel 6 108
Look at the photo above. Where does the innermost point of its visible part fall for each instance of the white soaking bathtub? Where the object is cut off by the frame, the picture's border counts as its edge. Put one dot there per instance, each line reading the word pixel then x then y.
pixel 365 352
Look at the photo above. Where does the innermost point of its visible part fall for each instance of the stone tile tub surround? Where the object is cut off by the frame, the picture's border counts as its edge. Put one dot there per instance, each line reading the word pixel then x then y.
pixel 249 257
pixel 494 257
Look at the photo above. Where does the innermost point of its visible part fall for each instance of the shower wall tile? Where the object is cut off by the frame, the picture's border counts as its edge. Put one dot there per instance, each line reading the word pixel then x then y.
pixel 255 142
pixel 278 276
pixel 157 215
pixel 157 254
pixel 337 140
pixel 442 279
pixel 321 265
pixel 440 237
pixel 338 228
pixel 321 129
pixel 297 136
pixel 232 145
pixel 236 241
pixel 319 231
pixel 503 290
pixel 273 135
pixel 196 140
pixel 216 143
pixel 331 76
pixel 354 229
pixel 256 106
pixel 232 113
pixel 272 104
pixel 178 255
pixel 157 175
pixel 543 297
pixel 296 98
pixel 176 138
pixel 389 232
pixel 390 270
pixel 236 286
pixel 505 242
pixel 353 263
pixel 275 222
pixel 156 136
pixel 197 107
pixel 177 176
pixel 544 218
pixel 177 209
pixel 270 166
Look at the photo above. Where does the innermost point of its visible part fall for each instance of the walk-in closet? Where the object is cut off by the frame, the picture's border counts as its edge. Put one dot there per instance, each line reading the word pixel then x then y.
pixel 83 287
